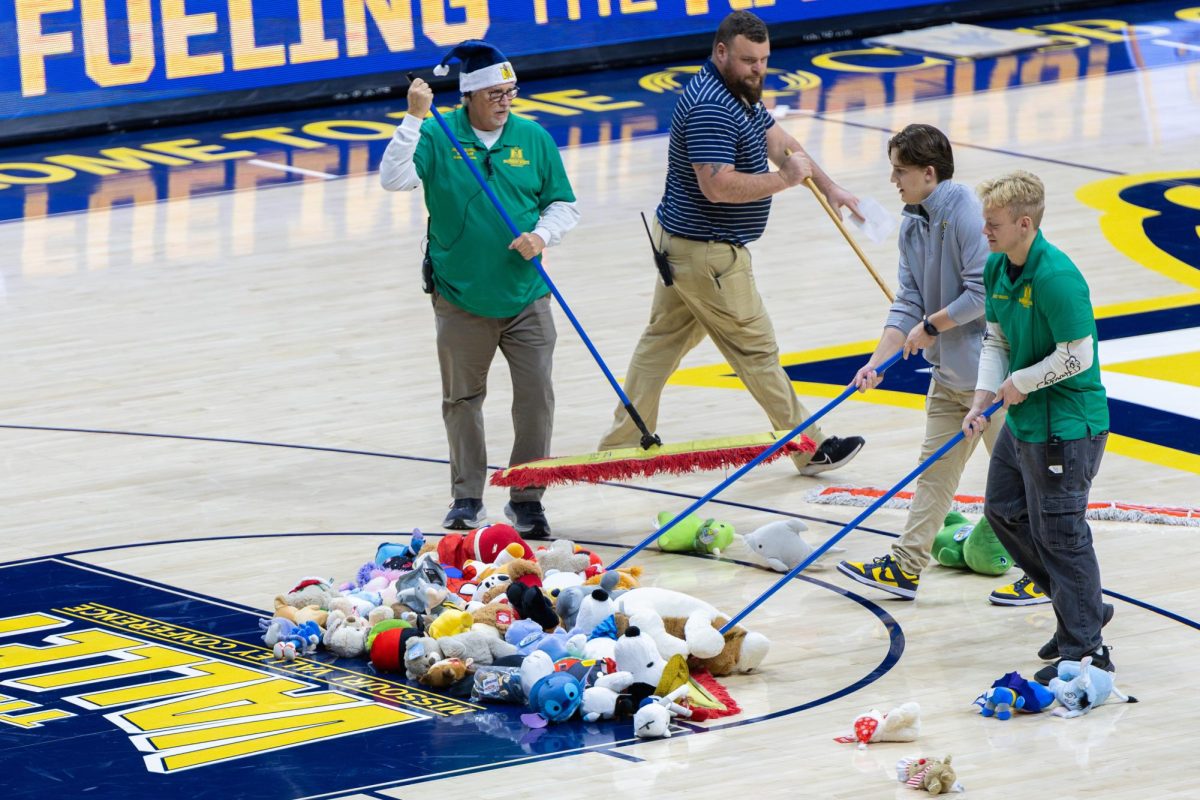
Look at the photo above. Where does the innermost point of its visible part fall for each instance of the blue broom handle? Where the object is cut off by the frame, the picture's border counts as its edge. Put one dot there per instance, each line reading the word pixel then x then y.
pixel 537 263
pixel 849 390
pixel 852 524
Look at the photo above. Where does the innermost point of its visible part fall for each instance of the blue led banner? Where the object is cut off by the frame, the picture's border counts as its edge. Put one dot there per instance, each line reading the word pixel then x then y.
pixel 71 55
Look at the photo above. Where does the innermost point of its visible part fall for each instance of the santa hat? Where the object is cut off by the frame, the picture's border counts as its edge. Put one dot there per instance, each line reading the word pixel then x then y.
pixel 482 66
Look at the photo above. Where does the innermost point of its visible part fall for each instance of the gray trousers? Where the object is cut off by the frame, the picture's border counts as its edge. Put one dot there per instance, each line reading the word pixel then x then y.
pixel 466 346
pixel 1039 516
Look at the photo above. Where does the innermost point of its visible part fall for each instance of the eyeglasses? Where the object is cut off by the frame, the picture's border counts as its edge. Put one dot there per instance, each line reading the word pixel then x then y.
pixel 496 95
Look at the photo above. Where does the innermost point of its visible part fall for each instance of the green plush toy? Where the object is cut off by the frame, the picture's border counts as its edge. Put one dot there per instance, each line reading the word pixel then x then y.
pixel 984 553
pixel 948 544
pixel 694 534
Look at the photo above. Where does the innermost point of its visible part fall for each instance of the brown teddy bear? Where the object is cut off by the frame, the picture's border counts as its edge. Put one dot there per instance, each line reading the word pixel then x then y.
pixel 930 774
pixel 446 673
pixel 495 615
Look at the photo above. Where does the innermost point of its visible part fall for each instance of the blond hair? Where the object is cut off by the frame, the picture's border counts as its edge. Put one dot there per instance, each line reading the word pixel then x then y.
pixel 1021 192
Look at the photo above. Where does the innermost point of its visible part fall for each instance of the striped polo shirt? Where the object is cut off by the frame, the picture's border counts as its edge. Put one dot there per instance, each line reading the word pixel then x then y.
pixel 711 126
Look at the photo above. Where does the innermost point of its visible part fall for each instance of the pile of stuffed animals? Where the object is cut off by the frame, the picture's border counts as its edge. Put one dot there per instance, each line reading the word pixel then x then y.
pixel 482 615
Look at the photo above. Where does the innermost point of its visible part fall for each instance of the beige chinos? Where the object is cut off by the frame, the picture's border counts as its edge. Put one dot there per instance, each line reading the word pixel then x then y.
pixel 713 295
pixel 466 345
pixel 933 495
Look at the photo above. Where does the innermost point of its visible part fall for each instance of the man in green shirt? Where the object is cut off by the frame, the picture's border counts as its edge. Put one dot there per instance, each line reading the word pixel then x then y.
pixel 486 294
pixel 1040 358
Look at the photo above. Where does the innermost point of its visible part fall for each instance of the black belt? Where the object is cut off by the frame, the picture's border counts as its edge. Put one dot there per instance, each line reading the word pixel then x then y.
pixel 702 241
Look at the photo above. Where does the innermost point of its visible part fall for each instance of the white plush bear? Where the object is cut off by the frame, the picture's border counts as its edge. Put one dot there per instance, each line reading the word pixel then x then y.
pixel 346 636
pixel 703 640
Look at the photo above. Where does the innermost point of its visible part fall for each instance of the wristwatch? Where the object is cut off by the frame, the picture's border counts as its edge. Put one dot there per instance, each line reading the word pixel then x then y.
pixel 930 328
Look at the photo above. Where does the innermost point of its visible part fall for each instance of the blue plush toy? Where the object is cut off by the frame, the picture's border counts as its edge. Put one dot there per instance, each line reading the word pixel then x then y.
pixel 1013 693
pixel 1080 687
pixel 399 554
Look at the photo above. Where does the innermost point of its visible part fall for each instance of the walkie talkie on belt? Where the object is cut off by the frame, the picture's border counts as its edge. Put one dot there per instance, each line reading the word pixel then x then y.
pixel 660 259
pixel 427 265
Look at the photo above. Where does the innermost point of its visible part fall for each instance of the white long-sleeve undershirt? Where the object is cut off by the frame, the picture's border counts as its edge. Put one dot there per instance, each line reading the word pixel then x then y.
pixel 398 173
pixel 1068 358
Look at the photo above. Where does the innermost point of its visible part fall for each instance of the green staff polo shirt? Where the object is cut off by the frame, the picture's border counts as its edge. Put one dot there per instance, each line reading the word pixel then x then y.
pixel 468 240
pixel 1048 303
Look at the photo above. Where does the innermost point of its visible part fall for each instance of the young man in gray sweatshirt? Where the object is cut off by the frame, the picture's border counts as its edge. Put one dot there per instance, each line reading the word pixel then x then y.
pixel 938 310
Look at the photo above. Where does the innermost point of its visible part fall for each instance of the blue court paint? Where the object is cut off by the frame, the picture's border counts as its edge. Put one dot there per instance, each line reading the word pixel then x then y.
pixel 168 688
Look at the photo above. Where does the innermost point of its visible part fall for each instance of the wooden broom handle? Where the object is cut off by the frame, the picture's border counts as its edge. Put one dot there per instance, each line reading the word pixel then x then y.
pixel 837 220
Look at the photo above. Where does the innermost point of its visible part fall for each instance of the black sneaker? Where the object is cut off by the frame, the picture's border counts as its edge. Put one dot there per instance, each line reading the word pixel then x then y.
pixel 1049 651
pixel 882 573
pixel 834 452
pixel 466 513
pixel 1100 659
pixel 529 518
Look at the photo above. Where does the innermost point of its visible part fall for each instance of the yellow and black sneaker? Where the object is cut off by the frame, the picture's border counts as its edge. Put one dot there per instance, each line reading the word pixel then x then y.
pixel 882 573
pixel 1022 593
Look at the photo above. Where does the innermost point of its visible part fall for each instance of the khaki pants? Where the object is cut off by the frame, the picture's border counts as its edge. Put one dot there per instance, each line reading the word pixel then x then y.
pixel 466 345
pixel 714 295
pixel 944 412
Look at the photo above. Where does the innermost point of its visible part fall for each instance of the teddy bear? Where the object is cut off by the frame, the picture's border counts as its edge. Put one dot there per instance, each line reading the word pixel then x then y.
pixel 694 534
pixel 1080 687
pixel 422 652
pixel 563 556
pixel 741 651
pixel 300 614
pixel 929 774
pixel 901 724
pixel 311 592
pixel 447 672
pixel 496 616
pixel 346 636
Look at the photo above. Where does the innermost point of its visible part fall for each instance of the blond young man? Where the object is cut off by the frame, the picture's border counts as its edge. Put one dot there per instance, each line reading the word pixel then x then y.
pixel 1040 358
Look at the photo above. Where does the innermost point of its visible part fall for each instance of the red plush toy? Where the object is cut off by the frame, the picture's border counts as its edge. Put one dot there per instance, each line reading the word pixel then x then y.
pixel 482 544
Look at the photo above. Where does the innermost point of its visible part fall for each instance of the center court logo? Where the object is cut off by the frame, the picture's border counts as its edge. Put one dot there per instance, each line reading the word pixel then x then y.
pixel 778 83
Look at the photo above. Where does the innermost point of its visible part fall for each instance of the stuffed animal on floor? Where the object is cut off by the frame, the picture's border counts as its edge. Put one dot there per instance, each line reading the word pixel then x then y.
pixel 400 556
pixel 300 614
pixel 530 602
pixel 961 544
pixel 1013 693
pixel 1080 687
pixel 779 544
pixel 420 587
pixel 935 777
pixel 742 651
pixel 553 696
pixel 482 544
pixel 450 623
pixel 446 673
pixel 901 724
pixel 563 556
pixel 346 636
pixel 653 718
pixel 311 592
pixel 694 534
pixel 303 640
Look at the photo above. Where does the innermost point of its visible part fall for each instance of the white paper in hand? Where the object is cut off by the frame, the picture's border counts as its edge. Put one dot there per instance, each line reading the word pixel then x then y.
pixel 879 222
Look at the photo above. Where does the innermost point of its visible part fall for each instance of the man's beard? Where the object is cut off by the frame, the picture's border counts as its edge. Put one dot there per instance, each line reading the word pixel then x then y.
pixel 748 90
